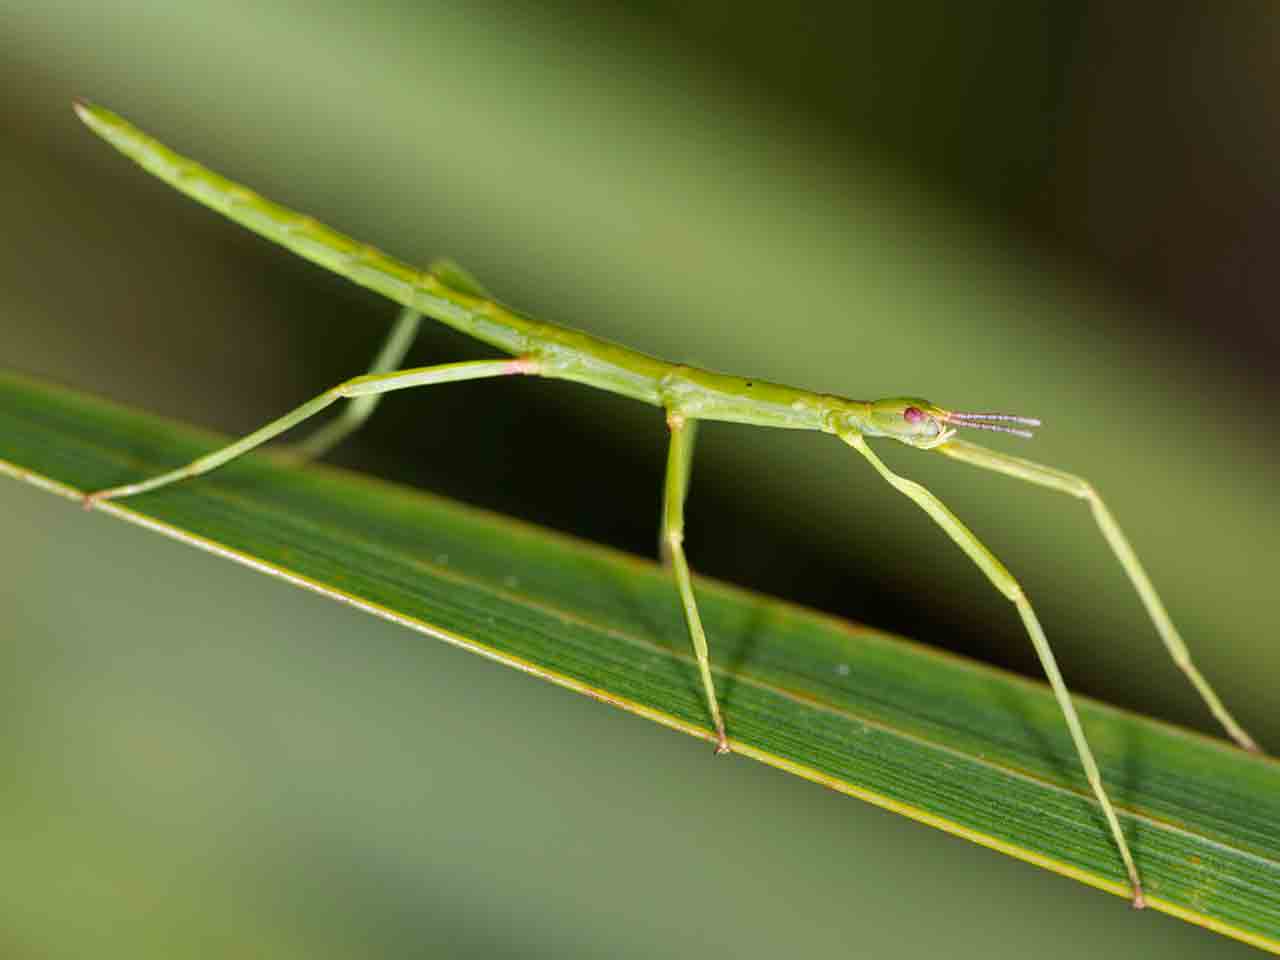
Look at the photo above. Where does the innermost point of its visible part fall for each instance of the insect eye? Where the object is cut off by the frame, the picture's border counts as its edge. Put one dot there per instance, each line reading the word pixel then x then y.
pixel 913 414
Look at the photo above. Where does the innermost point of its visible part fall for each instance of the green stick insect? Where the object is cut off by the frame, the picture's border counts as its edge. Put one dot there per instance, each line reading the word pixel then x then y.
pixel 686 394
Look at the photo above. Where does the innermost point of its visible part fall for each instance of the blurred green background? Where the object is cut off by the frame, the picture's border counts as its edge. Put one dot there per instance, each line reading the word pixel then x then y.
pixel 1062 209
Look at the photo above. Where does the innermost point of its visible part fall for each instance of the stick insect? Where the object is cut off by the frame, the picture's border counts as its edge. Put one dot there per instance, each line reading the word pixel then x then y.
pixel 686 394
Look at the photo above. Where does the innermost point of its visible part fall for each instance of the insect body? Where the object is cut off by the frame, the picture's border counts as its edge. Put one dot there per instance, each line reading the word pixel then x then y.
pixel 688 395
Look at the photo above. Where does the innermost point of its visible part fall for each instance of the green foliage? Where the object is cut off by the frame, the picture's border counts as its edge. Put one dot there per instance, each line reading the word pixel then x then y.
pixel 951 743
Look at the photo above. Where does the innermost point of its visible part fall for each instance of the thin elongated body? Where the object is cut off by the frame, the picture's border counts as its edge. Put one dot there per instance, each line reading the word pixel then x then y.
pixel 687 394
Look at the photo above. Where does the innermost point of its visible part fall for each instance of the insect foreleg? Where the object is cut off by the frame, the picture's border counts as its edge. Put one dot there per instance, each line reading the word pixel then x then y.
pixel 1079 487
pixel 1007 585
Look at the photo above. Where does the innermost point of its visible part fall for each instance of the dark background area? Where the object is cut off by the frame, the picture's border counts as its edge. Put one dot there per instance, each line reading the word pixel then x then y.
pixel 1062 209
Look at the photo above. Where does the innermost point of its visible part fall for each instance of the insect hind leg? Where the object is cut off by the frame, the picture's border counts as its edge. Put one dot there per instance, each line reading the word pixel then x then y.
pixel 359 409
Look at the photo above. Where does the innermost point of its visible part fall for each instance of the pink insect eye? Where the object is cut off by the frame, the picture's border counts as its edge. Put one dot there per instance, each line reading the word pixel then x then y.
pixel 913 414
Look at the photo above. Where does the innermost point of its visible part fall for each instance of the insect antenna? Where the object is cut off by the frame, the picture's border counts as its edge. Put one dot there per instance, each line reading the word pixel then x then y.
pixel 998 422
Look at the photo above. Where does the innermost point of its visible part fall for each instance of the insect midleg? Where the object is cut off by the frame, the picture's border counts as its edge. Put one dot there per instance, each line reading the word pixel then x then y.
pixel 1080 488
pixel 1007 585
pixel 370 384
pixel 680 492
pixel 679 457
pixel 358 409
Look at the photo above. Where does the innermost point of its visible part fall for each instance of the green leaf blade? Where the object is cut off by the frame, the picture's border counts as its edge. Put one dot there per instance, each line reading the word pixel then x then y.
pixel 955 744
